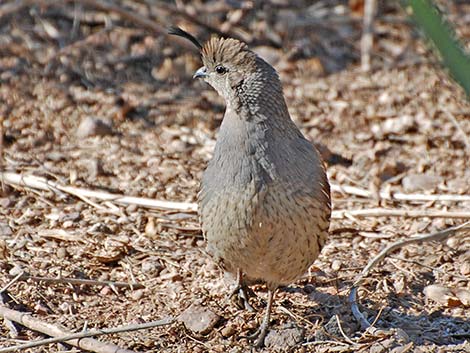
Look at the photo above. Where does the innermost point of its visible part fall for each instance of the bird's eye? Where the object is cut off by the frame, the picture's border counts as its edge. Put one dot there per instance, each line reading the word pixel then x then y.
pixel 220 69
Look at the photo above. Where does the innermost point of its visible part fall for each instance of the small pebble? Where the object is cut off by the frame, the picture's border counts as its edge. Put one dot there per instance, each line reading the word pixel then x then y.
pixel 418 182
pixel 228 331
pixel 284 338
pixel 336 265
pixel 465 268
pixel 199 319
pixel 93 126
pixel 62 253
pixel 138 294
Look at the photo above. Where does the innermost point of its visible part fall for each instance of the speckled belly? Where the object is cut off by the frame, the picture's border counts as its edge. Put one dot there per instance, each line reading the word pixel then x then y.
pixel 273 235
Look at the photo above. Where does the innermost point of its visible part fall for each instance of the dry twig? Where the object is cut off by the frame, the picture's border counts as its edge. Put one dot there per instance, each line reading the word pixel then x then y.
pixel 125 14
pixel 398 196
pixel 214 30
pixel 40 183
pixel 340 327
pixel 80 281
pixel 13 281
pixel 35 182
pixel 81 340
pixel 353 296
pixel 367 34
pixel 384 212
pixel 454 121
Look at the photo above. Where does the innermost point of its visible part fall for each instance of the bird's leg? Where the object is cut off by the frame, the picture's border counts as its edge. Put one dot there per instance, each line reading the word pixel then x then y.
pixel 242 291
pixel 261 332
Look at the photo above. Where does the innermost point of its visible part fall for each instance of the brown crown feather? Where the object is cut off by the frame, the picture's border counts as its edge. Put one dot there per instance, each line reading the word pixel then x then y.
pixel 227 51
pixel 220 50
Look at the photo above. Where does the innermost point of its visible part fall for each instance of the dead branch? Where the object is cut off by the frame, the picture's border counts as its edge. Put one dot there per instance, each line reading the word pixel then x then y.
pixel 353 296
pixel 100 5
pixel 35 182
pixel 454 121
pixel 398 196
pixel 80 281
pixel 40 183
pixel 106 6
pixel 213 30
pixel 81 340
pixel 13 281
pixel 385 212
pixel 367 34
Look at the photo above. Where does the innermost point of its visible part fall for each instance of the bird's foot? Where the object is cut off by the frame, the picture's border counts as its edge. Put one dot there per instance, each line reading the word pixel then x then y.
pixel 259 335
pixel 241 296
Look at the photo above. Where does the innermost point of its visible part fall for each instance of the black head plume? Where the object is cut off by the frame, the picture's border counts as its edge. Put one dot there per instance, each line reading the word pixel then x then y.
pixel 179 32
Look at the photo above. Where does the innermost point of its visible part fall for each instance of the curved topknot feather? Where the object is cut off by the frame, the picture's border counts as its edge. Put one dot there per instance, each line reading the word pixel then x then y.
pixel 176 31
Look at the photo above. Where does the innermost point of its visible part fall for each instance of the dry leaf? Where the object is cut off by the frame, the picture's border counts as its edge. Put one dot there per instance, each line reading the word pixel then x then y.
pixel 463 295
pixel 109 257
pixel 440 294
pixel 399 284
pixel 60 234
pixel 3 250
pixel 465 268
pixel 150 228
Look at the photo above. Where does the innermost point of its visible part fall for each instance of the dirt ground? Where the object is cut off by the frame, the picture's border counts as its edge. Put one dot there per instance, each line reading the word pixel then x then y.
pixel 91 98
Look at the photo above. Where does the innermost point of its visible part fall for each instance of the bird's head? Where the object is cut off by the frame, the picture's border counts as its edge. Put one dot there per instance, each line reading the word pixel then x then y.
pixel 227 62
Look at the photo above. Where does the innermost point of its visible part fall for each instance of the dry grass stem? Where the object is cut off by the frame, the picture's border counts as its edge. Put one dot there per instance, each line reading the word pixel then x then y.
pixel 367 39
pixel 384 212
pixel 398 196
pixel 457 125
pixel 35 182
pixel 353 296
pixel 81 340
pixel 80 281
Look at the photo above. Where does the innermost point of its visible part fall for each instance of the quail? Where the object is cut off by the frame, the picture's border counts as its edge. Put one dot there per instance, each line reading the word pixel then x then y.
pixel 264 202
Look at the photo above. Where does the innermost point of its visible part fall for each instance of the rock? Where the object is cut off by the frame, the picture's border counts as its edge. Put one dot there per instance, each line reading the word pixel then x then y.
pixel 199 319
pixel 383 346
pixel 463 295
pixel 176 146
pixel 228 331
pixel 403 349
pixel 93 126
pixel 95 168
pixel 399 125
pixel 330 329
pixel 151 266
pixel 441 295
pixel 4 253
pixel 284 339
pixel 401 336
pixel 336 265
pixel 465 269
pixel 62 253
pixel 137 294
pixel 5 230
pixel 415 182
pixel 5 202
pixel 56 156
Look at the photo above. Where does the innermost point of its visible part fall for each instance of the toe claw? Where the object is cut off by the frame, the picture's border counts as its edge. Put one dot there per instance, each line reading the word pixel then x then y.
pixel 258 336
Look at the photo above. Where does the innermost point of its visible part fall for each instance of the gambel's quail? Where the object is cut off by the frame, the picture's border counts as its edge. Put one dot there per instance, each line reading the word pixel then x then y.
pixel 264 202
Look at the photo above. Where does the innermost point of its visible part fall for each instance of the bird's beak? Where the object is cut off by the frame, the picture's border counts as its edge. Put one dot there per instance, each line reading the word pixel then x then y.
pixel 201 73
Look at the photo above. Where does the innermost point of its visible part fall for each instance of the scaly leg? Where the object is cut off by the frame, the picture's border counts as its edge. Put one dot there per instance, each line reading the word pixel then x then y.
pixel 242 291
pixel 260 334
